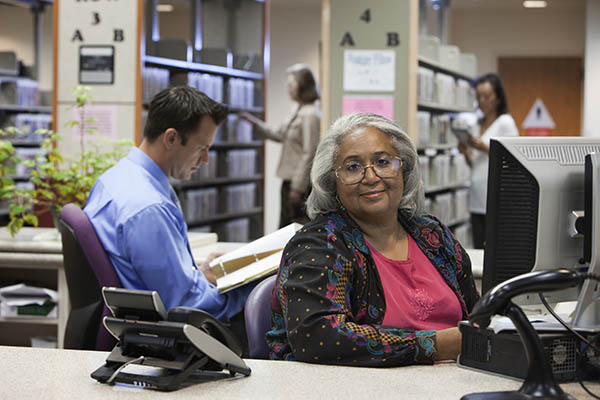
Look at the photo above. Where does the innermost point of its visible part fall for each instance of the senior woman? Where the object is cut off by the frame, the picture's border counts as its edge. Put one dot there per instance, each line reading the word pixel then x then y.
pixel 371 280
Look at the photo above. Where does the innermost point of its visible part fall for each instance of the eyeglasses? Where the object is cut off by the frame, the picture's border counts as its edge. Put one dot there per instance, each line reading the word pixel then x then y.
pixel 353 172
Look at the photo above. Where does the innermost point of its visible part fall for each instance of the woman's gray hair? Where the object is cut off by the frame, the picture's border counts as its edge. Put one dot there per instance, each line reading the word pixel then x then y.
pixel 323 197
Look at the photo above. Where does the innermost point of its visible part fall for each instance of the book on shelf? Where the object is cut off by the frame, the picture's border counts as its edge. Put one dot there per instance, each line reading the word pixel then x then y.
pixel 254 261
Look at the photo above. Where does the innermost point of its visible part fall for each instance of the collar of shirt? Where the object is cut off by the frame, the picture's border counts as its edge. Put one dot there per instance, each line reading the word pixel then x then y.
pixel 140 158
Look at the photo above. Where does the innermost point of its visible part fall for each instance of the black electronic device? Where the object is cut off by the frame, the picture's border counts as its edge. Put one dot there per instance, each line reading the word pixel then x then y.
pixel 535 195
pixel 184 346
pixel 503 353
pixel 540 382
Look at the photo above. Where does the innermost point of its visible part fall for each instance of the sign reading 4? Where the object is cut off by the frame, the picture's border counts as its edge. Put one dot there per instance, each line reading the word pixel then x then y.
pixel 392 39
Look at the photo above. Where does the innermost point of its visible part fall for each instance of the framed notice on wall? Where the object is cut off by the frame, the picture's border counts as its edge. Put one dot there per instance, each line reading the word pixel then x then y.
pixel 96 65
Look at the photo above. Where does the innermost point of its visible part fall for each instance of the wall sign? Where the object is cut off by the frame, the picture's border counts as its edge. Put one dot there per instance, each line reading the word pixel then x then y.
pixel 369 70
pixel 382 105
pixel 96 65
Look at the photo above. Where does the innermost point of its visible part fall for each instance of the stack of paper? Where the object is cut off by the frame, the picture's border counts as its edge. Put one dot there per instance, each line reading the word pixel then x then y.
pixel 26 301
pixel 253 261
pixel 199 239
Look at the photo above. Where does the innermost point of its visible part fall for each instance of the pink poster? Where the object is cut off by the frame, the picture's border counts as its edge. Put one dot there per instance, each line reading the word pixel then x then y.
pixel 382 105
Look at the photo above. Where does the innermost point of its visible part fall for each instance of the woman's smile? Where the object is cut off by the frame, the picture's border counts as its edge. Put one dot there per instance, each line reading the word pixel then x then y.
pixel 373 194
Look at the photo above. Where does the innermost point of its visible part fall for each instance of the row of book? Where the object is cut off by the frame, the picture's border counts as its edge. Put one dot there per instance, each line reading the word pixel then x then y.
pixel 234 163
pixel 444 89
pixel 26 154
pixel 449 207
pixel 240 197
pixel 154 80
pixel 211 85
pixel 434 130
pixel 206 171
pixel 240 92
pixel 463 234
pixel 19 91
pixel 443 170
pixel 235 130
pixel 204 203
pixel 27 125
pixel 241 163
pixel 234 230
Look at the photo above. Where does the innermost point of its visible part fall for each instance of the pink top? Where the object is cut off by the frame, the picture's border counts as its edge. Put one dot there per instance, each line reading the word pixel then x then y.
pixel 416 295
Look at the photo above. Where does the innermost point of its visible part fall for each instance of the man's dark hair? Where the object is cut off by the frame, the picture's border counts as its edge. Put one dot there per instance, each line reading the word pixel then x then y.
pixel 494 80
pixel 181 108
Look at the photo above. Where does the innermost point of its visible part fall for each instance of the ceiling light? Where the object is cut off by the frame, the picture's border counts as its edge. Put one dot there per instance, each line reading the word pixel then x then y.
pixel 535 3
pixel 165 7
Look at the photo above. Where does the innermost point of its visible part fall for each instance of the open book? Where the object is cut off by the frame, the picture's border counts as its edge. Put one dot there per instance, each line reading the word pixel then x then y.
pixel 253 261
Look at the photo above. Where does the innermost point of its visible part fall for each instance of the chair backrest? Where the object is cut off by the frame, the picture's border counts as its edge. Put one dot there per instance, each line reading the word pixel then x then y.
pixel 257 314
pixel 87 269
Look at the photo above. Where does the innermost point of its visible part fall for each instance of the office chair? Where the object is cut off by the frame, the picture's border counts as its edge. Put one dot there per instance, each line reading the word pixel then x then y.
pixel 257 315
pixel 87 269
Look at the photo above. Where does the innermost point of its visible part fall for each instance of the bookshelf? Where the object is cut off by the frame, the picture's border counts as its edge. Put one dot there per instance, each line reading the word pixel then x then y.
pixel 443 90
pixel 220 52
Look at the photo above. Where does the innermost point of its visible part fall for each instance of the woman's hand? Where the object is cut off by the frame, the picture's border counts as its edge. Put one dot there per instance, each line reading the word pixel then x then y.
pixel 448 344
pixel 478 144
pixel 246 116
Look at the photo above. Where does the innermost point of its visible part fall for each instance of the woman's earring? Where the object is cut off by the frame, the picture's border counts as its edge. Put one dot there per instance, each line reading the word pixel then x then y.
pixel 340 205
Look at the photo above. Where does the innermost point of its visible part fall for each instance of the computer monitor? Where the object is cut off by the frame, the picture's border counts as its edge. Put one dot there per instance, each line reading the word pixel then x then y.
pixel 535 184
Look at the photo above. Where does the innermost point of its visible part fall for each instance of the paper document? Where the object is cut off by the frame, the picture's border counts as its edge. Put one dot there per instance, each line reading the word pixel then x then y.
pixel 25 301
pixel 199 239
pixel 253 261
pixel 539 322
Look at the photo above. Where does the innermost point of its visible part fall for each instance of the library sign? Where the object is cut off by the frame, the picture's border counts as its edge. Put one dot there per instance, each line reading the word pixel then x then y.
pixel 101 35
pixel 98 45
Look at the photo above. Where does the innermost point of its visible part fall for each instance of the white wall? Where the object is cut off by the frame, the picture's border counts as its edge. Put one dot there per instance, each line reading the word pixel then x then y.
pixel 490 34
pixel 295 35
pixel 591 90
pixel 16 34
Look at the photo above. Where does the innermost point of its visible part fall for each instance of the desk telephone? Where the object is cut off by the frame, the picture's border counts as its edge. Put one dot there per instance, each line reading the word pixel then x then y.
pixel 183 343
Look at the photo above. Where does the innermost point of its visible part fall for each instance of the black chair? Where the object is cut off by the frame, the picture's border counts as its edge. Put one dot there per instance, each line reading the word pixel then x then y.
pixel 87 269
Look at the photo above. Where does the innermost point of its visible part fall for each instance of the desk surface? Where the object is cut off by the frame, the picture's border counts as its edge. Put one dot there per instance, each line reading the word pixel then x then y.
pixel 45 374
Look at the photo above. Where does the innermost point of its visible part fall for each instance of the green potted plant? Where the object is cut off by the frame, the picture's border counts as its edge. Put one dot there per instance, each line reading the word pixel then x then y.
pixel 58 180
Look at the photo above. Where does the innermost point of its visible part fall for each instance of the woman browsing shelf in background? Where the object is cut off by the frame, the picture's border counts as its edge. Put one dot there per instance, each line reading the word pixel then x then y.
pixel 495 122
pixel 300 135
pixel 371 280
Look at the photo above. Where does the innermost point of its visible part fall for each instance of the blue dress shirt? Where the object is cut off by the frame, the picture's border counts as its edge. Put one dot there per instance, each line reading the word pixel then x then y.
pixel 137 217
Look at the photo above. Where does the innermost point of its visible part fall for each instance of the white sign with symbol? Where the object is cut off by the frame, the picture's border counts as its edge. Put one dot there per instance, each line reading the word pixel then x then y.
pixel 538 117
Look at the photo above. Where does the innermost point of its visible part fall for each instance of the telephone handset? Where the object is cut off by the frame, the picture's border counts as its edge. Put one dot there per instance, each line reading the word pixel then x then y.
pixel 203 320
pixel 183 342
pixel 540 382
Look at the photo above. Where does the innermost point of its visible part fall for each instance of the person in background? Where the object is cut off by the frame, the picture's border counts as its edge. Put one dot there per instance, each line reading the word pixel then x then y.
pixel 495 122
pixel 300 135
pixel 371 280
pixel 137 215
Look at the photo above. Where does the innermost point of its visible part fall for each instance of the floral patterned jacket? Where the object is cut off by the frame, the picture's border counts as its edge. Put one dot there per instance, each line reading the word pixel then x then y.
pixel 328 302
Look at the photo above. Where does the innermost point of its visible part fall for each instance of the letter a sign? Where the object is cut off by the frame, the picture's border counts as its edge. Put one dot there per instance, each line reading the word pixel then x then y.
pixel 538 121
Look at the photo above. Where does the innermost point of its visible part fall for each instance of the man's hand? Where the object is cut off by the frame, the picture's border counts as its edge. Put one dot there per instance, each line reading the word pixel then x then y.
pixel 205 268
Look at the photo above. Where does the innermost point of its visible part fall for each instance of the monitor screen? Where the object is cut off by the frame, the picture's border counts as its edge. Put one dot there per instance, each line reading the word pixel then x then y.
pixel 535 184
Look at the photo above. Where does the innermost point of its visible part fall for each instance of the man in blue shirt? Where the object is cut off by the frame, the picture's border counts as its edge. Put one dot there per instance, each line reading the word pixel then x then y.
pixel 136 213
